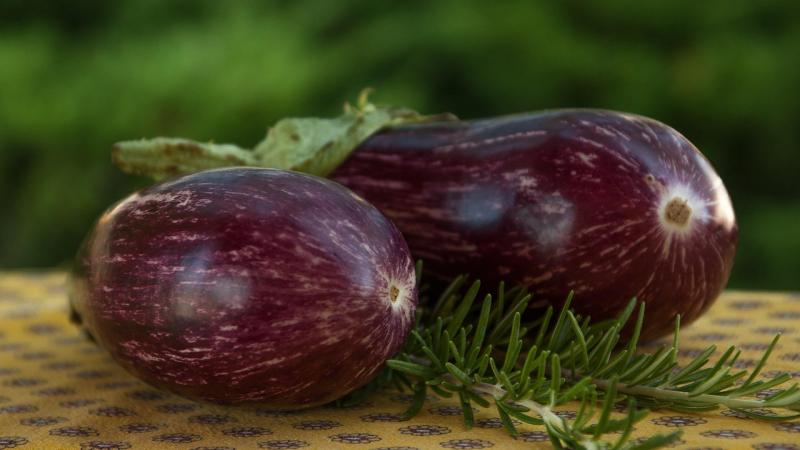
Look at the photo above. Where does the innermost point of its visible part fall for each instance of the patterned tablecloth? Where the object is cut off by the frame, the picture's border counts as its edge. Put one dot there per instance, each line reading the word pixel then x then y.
pixel 58 391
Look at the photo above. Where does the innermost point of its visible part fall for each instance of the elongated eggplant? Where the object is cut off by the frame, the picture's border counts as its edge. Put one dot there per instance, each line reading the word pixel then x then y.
pixel 608 205
pixel 605 204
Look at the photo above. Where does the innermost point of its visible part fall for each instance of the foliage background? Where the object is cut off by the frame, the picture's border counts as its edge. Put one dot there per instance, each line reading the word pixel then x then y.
pixel 76 76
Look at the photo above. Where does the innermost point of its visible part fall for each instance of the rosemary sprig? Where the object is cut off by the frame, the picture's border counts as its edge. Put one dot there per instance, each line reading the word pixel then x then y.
pixel 482 352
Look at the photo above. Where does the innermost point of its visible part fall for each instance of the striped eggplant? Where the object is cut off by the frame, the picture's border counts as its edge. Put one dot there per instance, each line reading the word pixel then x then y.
pixel 608 205
pixel 247 285
pixel 605 204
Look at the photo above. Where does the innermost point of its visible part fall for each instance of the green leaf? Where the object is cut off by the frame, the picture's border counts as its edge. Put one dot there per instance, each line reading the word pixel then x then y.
pixel 447 296
pixel 657 441
pixel 608 406
pixel 612 364
pixel 417 402
pixel 543 327
pixel 623 317
pixel 440 392
pixel 694 365
pixel 789 397
pixel 504 324
pixel 637 330
pixel 410 368
pixel 587 407
pixel 639 362
pixel 514 345
pixel 457 357
pixel 706 385
pixel 476 398
pixel 556 334
pixel 756 386
pixel 463 308
pixel 529 364
pixel 458 373
pixel 574 390
pixel 522 417
pixel 311 145
pixel 763 360
pixel 614 425
pixel 466 410
pixel 580 338
pixel 601 353
pixel 505 419
pixel 555 373
pixel 480 330
pixel 629 420
pixel 676 338
pixel 662 356
pixel 163 157
pixel 503 379
pixel 483 362
pixel 768 417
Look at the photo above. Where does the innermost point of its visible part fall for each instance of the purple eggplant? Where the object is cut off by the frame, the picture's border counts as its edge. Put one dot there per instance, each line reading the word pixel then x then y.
pixel 605 204
pixel 247 285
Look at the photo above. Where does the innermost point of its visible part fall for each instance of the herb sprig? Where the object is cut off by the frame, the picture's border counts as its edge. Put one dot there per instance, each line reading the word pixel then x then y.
pixel 481 352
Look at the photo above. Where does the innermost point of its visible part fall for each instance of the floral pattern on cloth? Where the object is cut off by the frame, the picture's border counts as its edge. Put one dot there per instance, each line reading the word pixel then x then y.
pixel 58 391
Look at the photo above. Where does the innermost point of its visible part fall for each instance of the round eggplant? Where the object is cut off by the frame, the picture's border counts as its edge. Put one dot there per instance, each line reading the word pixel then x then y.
pixel 247 285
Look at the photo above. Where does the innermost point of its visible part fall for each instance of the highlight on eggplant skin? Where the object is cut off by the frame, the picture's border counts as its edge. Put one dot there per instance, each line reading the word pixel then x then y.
pixel 247 285
pixel 606 204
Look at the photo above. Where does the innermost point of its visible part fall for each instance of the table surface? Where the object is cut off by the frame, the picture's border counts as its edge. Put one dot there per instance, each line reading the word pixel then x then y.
pixel 59 391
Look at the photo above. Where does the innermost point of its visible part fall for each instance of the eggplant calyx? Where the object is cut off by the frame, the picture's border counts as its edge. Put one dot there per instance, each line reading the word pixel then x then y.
pixel 163 157
pixel 318 146
pixel 311 145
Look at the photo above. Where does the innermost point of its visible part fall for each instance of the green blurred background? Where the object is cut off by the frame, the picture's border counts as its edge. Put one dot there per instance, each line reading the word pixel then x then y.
pixel 76 76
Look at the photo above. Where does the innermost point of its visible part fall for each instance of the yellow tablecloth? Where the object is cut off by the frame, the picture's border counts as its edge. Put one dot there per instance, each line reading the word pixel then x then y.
pixel 58 391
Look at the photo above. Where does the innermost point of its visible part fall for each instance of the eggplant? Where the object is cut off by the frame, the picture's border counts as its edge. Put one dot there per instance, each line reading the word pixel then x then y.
pixel 247 285
pixel 603 204
pixel 607 205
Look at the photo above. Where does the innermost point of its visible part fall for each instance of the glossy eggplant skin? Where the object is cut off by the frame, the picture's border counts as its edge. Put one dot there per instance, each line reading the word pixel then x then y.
pixel 247 286
pixel 560 201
